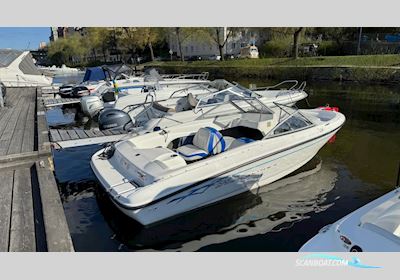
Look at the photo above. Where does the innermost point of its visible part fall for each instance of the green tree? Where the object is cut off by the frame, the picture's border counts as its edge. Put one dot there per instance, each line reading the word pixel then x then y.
pixel 296 37
pixel 99 38
pixel 182 34
pixel 216 35
pixel 131 39
pixel 69 50
pixel 154 36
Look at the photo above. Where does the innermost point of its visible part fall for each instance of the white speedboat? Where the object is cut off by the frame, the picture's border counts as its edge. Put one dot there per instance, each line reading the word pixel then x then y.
pixel 117 85
pixel 157 175
pixel 375 227
pixel 164 108
pixel 17 69
pixel 167 106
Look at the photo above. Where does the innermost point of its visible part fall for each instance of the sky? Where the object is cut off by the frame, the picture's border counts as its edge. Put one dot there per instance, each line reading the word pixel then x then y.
pixel 22 38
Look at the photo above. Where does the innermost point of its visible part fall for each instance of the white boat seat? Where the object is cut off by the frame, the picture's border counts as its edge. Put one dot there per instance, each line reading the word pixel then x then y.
pixel 162 108
pixel 240 142
pixel 207 141
pixel 192 100
pixel 228 141
pixel 190 152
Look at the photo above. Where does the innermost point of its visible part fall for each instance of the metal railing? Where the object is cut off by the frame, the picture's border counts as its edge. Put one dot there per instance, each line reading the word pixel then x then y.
pixel 147 105
pixel 201 76
pixel 191 87
pixel 277 86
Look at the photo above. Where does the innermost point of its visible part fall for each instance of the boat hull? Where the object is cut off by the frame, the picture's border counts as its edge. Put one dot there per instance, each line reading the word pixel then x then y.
pixel 359 238
pixel 246 178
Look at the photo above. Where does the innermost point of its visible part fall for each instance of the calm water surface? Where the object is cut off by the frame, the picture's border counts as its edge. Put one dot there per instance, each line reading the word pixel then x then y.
pixel 358 167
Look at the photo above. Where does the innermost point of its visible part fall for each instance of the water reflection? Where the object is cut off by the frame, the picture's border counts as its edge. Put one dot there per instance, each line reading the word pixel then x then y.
pixel 272 208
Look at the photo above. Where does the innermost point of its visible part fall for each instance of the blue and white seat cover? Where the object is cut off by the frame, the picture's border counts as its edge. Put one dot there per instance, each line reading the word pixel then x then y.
pixel 207 141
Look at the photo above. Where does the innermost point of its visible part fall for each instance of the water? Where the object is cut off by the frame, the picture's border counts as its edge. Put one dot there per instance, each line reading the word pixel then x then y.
pixel 358 167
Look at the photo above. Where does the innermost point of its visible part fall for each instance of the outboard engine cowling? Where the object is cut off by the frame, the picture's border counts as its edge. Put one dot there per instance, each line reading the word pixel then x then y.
pixel 80 91
pixel 109 96
pixel 115 119
pixel 65 90
pixel 91 105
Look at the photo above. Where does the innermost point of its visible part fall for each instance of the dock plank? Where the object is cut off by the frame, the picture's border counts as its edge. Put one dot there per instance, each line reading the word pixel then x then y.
pixel 22 232
pixel 6 183
pixel 90 133
pixel 64 135
pixel 81 133
pixel 52 102
pixel 56 227
pixel 20 127
pixel 72 134
pixel 55 136
pixel 98 133
pixel 28 143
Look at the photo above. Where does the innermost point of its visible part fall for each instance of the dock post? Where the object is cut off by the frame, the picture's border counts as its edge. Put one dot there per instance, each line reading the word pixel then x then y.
pixel 1 97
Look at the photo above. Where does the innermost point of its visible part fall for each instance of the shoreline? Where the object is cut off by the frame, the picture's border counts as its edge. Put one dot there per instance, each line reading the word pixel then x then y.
pixel 366 74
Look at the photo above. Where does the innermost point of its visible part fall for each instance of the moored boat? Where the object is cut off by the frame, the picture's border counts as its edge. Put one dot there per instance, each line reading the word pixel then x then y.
pixel 375 227
pixel 158 175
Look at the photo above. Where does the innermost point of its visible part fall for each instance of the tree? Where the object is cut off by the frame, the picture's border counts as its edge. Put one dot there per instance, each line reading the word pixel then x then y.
pixel 153 35
pixel 99 38
pixel 216 34
pixel 182 34
pixel 179 39
pixel 131 39
pixel 68 50
pixel 296 36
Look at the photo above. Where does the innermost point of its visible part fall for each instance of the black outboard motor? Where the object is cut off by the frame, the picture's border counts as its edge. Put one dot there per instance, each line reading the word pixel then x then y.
pixel 115 119
pixel 108 96
pixel 65 90
pixel 80 91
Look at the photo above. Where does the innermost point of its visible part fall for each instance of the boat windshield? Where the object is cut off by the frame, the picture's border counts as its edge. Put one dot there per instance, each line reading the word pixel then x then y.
pixel 119 71
pixel 152 76
pixel 241 98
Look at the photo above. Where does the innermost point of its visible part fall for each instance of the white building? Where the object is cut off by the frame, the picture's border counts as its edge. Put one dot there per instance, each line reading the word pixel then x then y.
pixel 205 47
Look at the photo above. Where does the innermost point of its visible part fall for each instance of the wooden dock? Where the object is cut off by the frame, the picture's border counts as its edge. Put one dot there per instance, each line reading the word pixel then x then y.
pixel 31 212
pixel 53 102
pixel 66 138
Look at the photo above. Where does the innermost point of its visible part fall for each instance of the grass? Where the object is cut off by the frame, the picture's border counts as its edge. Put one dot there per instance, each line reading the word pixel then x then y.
pixel 390 60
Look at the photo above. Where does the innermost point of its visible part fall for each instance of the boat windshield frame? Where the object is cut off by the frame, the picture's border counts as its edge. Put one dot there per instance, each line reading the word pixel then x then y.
pixel 205 87
pixel 241 94
pixel 285 117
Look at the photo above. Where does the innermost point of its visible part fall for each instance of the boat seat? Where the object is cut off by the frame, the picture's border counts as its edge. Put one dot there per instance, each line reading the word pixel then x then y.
pixel 192 100
pixel 207 141
pixel 240 142
pixel 232 142
pixel 228 141
pixel 162 108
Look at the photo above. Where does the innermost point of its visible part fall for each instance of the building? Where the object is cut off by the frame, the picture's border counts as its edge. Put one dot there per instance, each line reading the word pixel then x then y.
pixel 206 47
pixel 42 45
pixel 64 32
